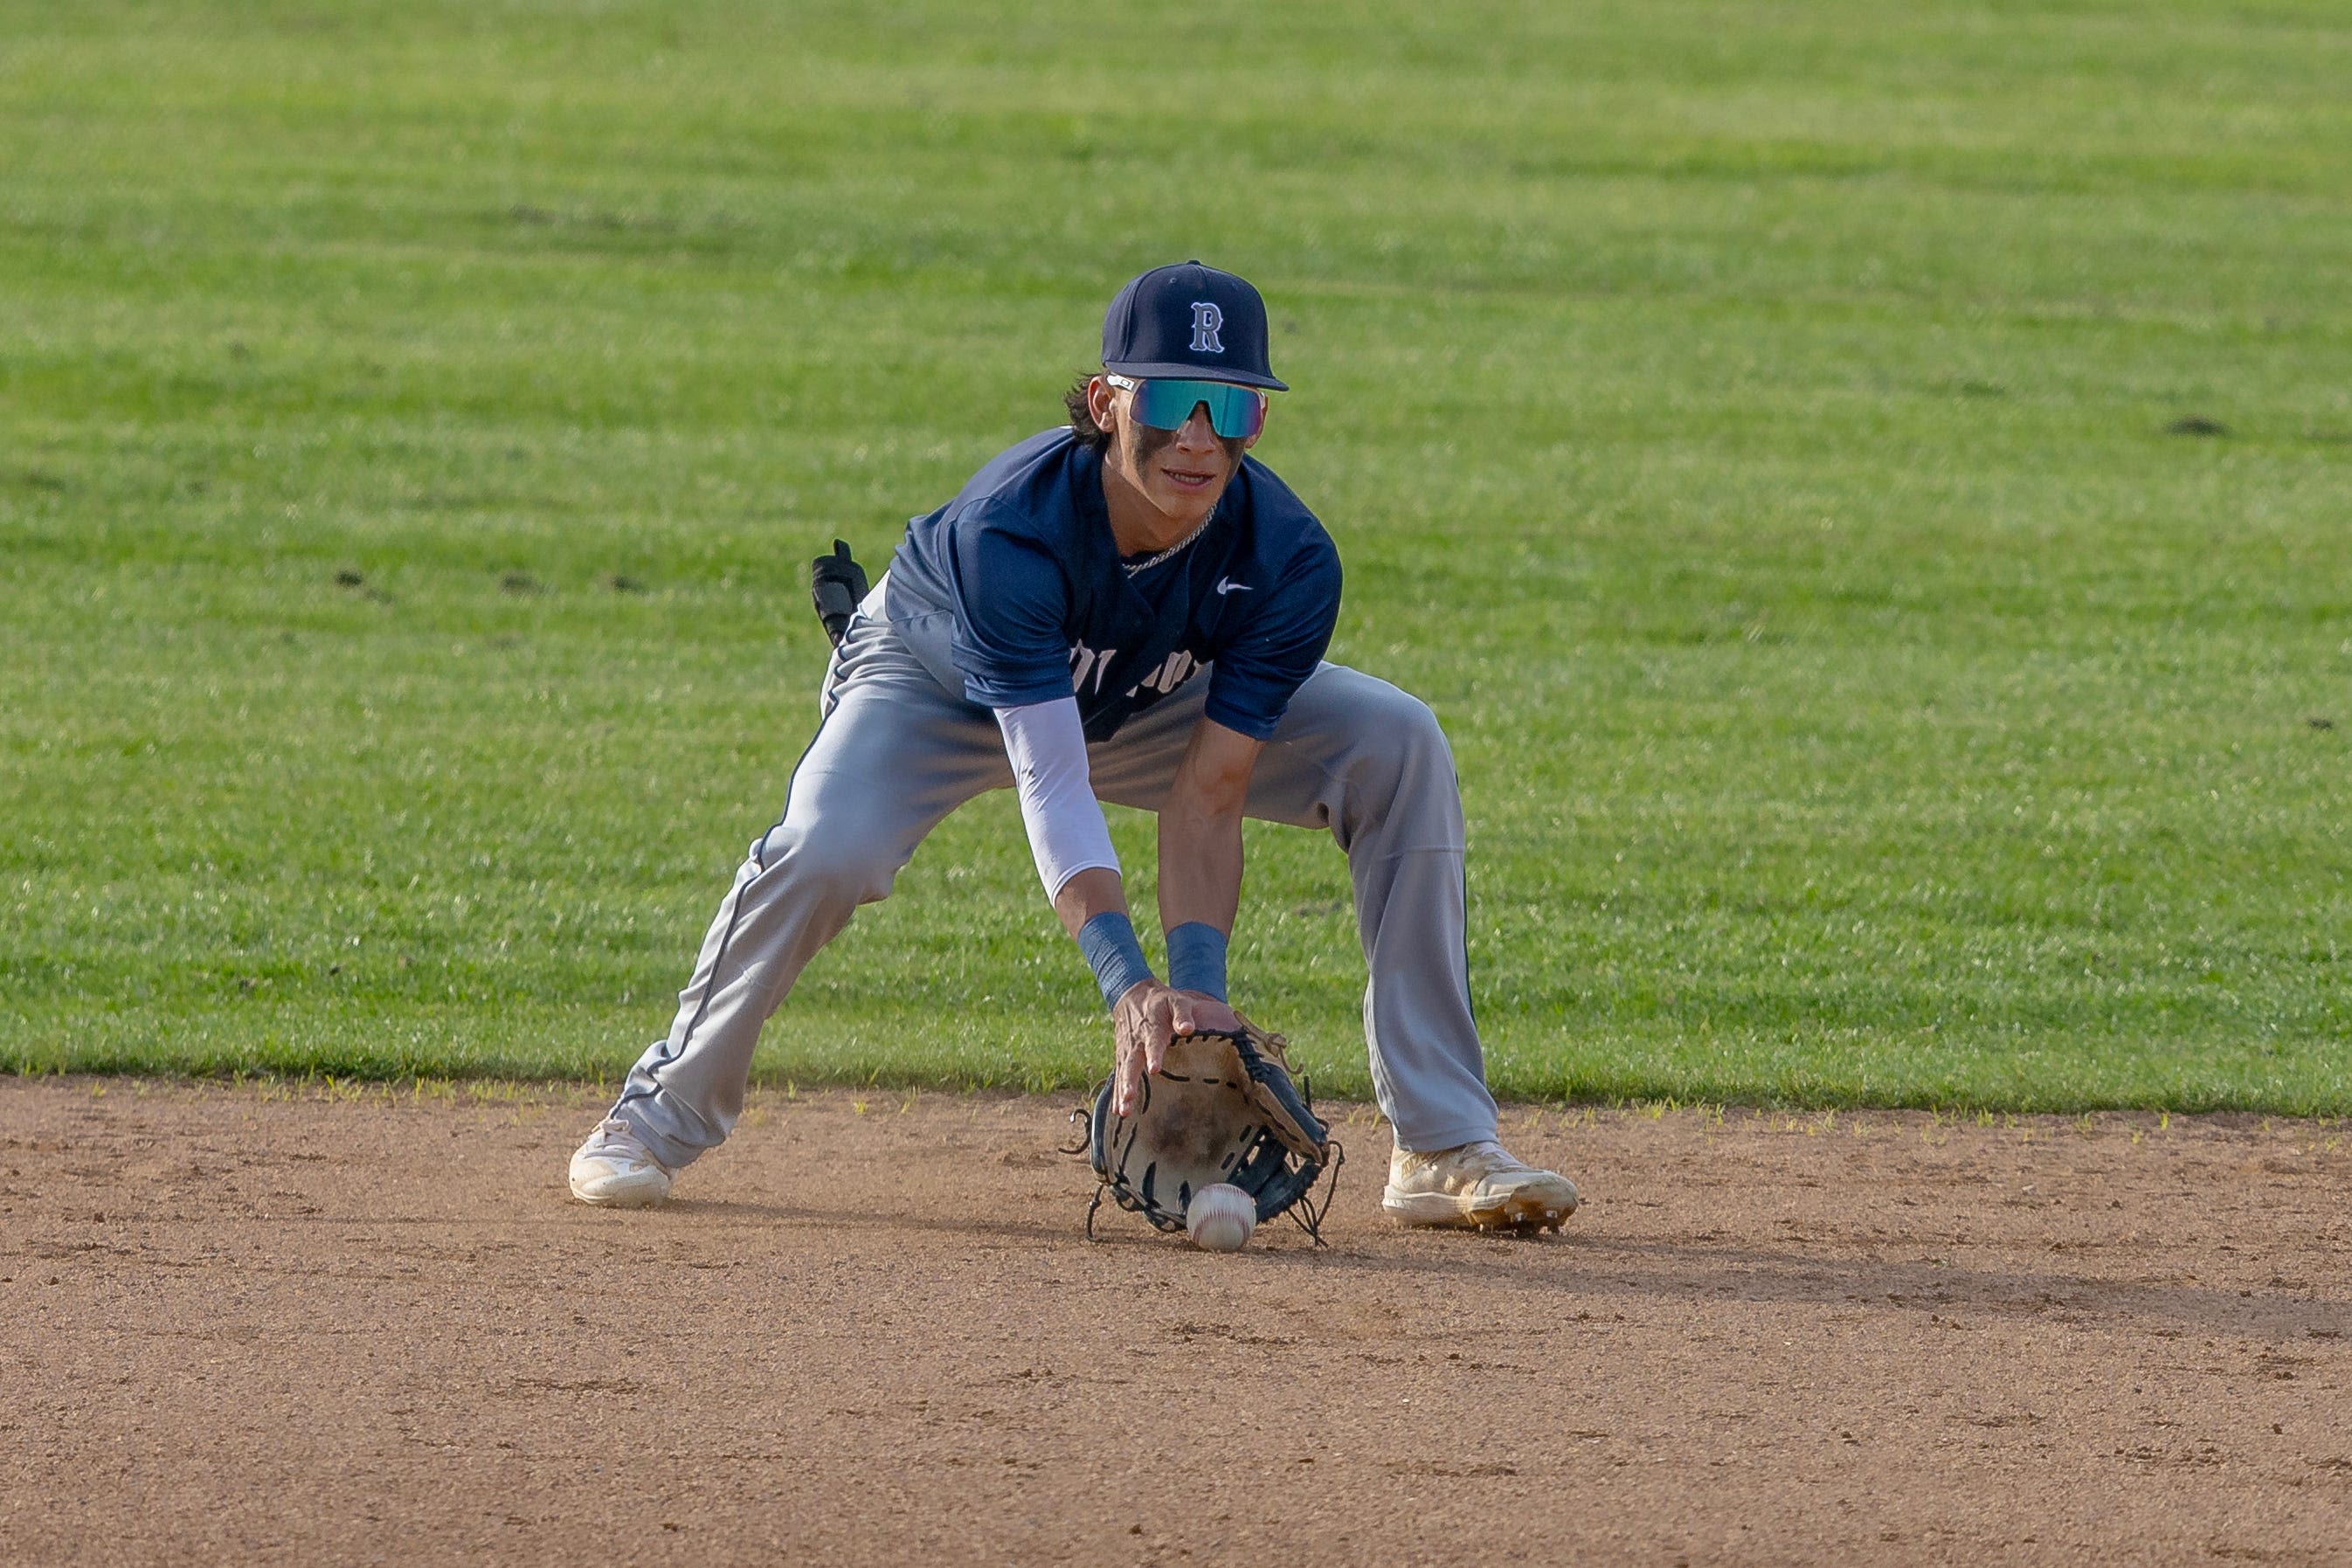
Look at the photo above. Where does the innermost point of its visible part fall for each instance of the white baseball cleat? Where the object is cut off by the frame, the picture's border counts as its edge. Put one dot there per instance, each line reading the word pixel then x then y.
pixel 613 1170
pixel 1478 1185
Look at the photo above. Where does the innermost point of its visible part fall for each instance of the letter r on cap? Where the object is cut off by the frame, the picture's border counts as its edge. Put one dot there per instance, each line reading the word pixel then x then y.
pixel 1206 321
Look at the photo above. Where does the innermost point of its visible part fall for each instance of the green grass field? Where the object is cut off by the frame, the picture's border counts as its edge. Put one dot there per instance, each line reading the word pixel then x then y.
pixel 1868 488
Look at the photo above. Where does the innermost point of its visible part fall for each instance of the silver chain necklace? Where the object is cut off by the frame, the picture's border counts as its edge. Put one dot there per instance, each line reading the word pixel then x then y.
pixel 1134 568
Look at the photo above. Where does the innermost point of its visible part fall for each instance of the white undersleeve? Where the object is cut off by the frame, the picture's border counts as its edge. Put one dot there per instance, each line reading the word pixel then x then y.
pixel 1047 747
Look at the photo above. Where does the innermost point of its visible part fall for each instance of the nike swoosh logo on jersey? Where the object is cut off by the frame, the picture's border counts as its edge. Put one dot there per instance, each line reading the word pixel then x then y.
pixel 1227 585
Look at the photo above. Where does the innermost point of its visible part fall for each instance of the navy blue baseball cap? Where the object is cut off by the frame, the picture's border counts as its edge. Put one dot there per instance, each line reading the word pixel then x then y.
pixel 1188 321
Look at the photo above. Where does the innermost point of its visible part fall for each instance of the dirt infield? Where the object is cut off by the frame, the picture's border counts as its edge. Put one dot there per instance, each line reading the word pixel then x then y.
pixel 255 1325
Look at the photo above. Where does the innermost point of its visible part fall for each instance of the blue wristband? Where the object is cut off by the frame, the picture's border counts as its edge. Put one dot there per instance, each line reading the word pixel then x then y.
pixel 1108 942
pixel 1196 958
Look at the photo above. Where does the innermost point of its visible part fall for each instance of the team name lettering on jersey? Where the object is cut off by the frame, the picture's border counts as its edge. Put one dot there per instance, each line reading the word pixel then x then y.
pixel 1087 662
pixel 1167 677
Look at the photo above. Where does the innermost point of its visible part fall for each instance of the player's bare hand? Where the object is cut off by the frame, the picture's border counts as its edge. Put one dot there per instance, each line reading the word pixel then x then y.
pixel 1197 1012
pixel 1141 1025
pixel 1145 1020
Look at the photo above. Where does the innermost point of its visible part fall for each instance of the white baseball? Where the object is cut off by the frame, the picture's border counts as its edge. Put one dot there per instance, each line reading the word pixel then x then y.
pixel 1221 1218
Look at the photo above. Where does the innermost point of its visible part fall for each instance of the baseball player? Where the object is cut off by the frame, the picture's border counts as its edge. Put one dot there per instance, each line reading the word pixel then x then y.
pixel 1129 608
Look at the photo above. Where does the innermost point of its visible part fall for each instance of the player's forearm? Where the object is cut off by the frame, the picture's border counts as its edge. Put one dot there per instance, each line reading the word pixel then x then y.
pixel 1200 867
pixel 1088 893
pixel 1200 829
pixel 1046 748
pixel 1093 907
pixel 1199 864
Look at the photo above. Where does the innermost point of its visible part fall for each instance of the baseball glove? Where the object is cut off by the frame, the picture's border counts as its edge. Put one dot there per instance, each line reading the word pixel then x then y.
pixel 1223 1108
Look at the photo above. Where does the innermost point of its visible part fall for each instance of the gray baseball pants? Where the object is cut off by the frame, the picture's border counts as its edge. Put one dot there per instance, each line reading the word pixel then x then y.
pixel 897 750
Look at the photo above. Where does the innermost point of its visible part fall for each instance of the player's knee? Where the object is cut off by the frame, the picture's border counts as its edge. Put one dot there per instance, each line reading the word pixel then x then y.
pixel 1400 763
pixel 834 865
pixel 1405 731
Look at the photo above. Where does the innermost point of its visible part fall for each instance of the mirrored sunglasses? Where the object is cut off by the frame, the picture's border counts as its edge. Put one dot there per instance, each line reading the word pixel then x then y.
pixel 1234 412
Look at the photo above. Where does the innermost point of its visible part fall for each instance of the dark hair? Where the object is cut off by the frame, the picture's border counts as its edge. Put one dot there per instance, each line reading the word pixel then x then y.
pixel 1082 418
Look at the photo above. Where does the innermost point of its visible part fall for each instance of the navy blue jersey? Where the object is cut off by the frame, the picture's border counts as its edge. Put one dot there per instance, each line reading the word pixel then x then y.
pixel 1025 559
